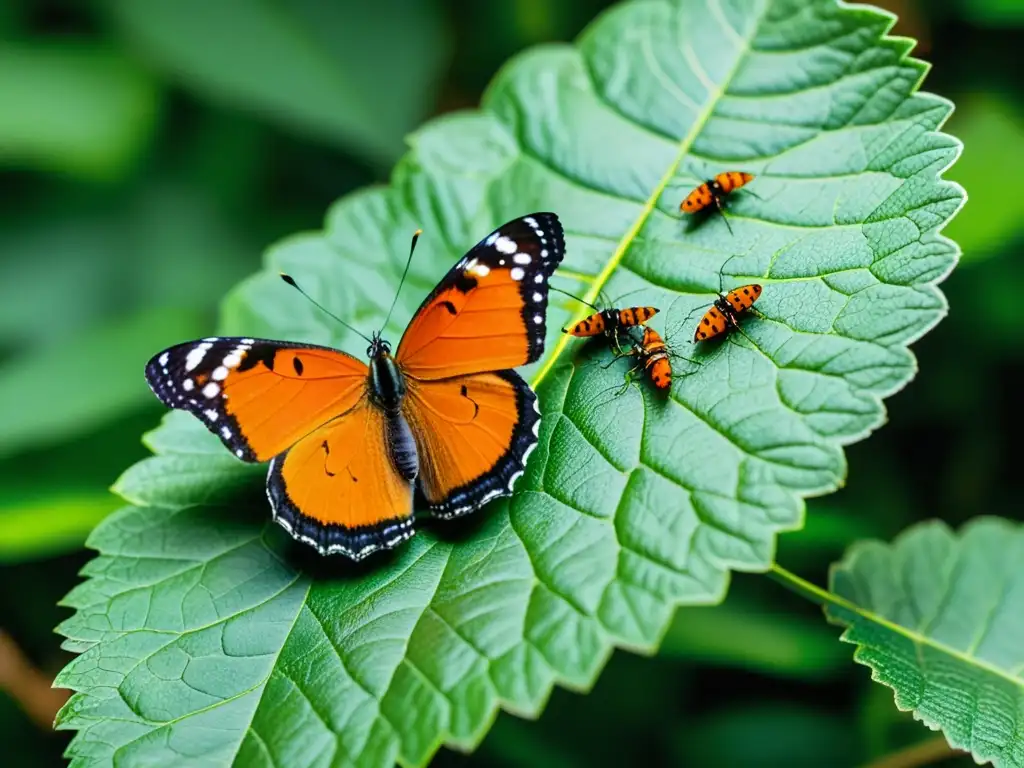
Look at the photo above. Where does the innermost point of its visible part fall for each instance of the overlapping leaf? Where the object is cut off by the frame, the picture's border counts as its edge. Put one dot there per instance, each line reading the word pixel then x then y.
pixel 939 618
pixel 203 633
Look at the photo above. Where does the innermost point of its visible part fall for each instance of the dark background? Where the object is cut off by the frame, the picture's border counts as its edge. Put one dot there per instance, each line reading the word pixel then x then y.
pixel 149 153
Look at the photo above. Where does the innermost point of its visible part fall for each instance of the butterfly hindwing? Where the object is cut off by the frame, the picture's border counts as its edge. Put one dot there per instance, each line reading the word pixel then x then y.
pixel 474 434
pixel 338 490
pixel 258 396
pixel 489 312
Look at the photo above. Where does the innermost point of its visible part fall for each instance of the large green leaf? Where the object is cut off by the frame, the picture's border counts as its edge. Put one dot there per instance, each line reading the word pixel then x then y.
pixel 204 633
pixel 938 616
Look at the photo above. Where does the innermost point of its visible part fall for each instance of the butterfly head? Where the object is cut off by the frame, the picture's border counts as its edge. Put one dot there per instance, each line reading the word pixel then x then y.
pixel 378 348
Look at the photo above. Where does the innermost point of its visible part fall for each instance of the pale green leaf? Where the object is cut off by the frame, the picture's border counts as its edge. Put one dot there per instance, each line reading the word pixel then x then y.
pixel 938 616
pixel 206 633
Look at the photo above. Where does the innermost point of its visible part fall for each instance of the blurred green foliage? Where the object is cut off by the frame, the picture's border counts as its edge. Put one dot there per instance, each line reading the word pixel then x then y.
pixel 150 151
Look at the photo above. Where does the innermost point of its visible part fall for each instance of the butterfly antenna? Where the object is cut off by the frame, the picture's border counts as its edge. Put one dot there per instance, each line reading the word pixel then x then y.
pixel 574 296
pixel 408 263
pixel 291 281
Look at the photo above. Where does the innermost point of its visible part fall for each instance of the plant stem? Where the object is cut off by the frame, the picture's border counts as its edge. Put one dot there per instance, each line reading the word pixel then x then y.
pixel 802 587
pixel 923 753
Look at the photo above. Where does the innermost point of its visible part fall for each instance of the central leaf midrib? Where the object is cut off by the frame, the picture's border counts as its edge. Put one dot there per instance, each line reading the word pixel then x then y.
pixel 627 240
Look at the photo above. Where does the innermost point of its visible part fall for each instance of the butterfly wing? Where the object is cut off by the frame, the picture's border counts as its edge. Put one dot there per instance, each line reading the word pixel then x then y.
pixel 473 434
pixel 488 313
pixel 338 490
pixel 258 396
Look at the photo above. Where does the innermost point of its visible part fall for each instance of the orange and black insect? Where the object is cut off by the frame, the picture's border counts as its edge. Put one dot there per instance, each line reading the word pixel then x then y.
pixel 725 313
pixel 714 191
pixel 654 356
pixel 608 322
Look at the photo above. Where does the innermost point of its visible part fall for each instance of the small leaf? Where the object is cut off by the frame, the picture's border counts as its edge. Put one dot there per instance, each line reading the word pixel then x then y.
pixel 939 618
pixel 346 73
pixel 204 629
pixel 74 107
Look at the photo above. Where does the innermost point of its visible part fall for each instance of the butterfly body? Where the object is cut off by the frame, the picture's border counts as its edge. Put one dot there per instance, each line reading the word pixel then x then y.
pixel 386 390
pixel 347 440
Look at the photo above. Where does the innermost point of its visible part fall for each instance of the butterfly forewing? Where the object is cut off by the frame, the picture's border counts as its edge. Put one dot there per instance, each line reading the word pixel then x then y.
pixel 258 396
pixel 489 312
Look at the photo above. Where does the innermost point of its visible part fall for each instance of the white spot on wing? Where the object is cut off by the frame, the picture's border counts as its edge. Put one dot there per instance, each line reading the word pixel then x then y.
pixel 164 358
pixel 482 270
pixel 531 221
pixel 188 385
pixel 539 278
pixel 220 373
pixel 211 414
pixel 491 238
pixel 537 296
pixel 505 245
pixel 522 258
pixel 233 359
pixel 225 432
pixel 516 273
pixel 195 355
pixel 543 253
pixel 537 319
pixel 211 390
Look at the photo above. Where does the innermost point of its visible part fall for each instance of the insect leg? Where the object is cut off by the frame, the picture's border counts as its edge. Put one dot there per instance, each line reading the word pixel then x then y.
pixel 721 210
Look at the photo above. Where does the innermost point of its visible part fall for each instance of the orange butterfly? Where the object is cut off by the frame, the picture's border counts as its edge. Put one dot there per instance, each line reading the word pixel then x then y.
pixel 347 441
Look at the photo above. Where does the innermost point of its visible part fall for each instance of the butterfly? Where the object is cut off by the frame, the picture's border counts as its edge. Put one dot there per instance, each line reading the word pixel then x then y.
pixel 349 441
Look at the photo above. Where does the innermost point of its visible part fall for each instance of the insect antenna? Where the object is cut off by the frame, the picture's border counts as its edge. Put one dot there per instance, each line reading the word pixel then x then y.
pixel 408 263
pixel 621 296
pixel 574 296
pixel 291 281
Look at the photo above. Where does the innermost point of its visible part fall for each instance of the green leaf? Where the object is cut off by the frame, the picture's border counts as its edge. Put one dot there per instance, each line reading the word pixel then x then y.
pixel 343 72
pixel 938 616
pixel 65 389
pixel 204 631
pixel 73 107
